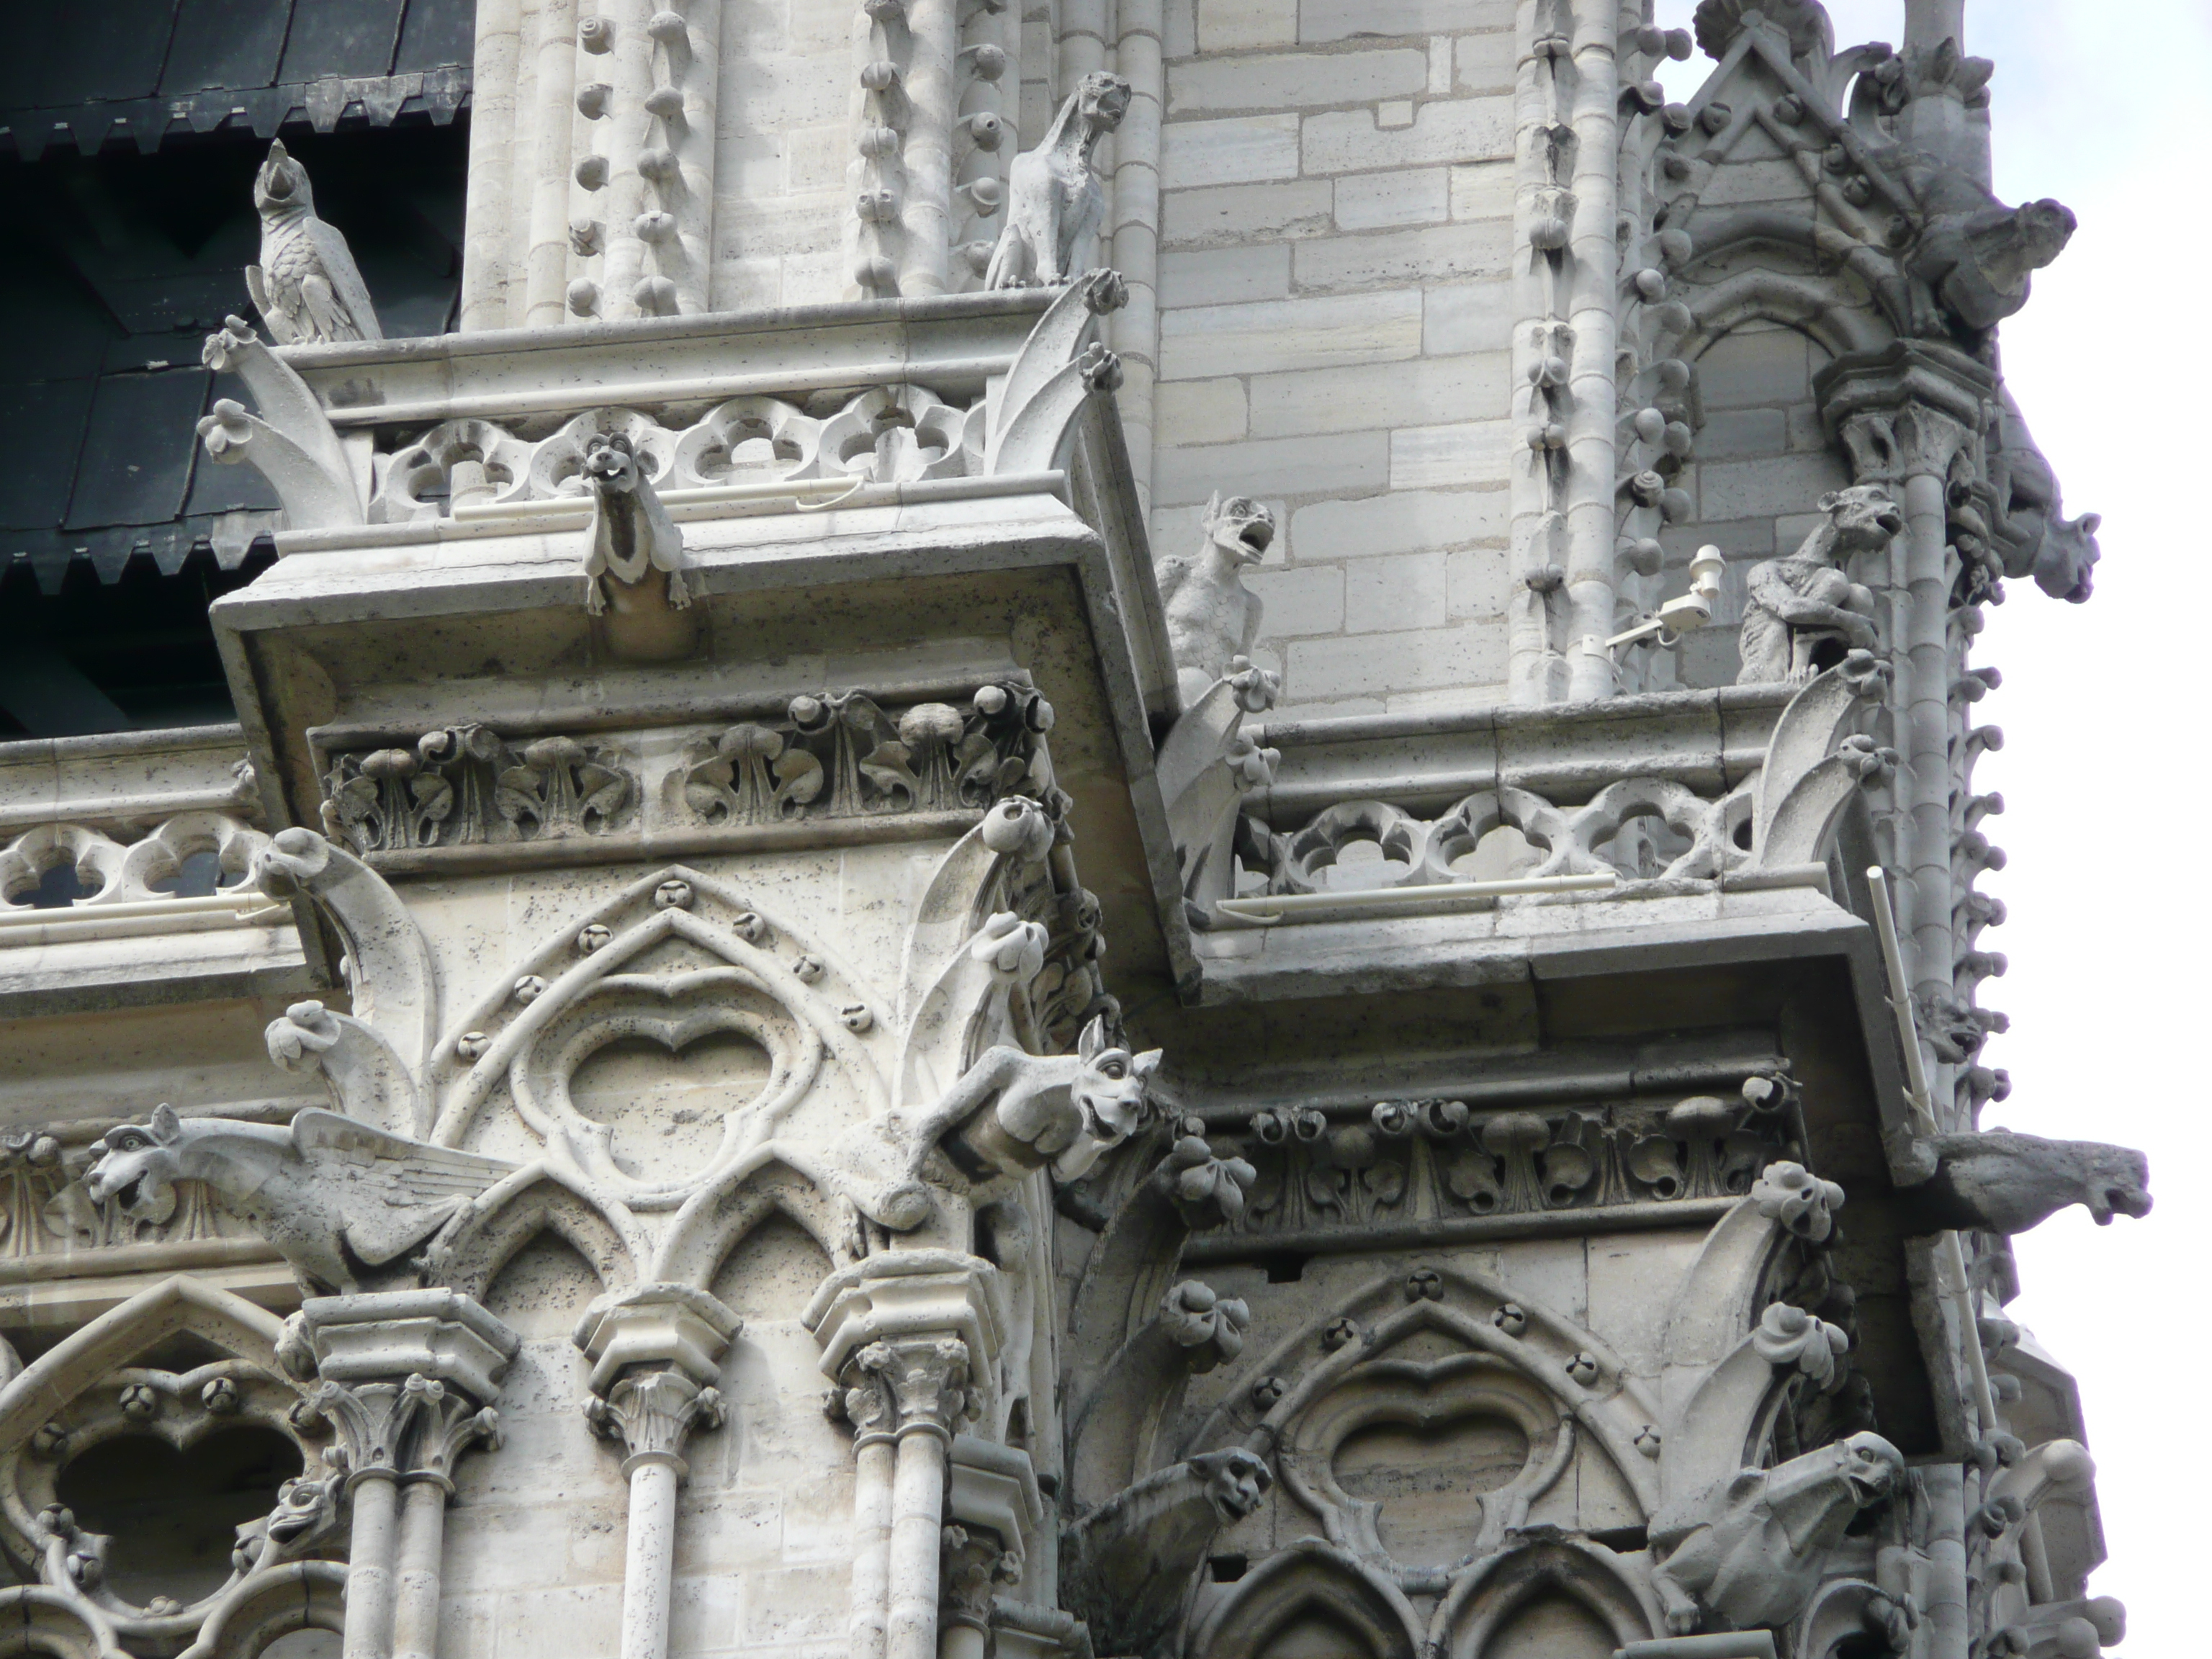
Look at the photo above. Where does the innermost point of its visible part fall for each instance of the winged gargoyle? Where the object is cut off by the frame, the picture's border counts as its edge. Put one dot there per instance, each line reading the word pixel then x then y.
pixel 337 1199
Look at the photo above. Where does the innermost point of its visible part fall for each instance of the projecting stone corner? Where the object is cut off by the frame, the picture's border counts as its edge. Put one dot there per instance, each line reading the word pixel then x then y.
pixel 1519 832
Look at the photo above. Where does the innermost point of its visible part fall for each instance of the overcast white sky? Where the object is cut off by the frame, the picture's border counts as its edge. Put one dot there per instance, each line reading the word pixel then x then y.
pixel 2102 710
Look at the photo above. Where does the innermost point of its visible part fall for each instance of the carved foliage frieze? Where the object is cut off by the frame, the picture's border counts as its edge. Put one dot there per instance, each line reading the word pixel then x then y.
pixel 835 754
pixel 46 1210
pixel 1417 1160
pixel 842 755
pixel 464 785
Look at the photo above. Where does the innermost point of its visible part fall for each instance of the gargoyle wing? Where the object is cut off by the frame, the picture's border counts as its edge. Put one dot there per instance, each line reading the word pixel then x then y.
pixel 280 329
pixel 346 285
pixel 389 1192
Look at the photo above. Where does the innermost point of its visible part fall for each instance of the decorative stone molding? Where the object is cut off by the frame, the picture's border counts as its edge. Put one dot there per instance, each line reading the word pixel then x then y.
pixel 413 1430
pixel 653 1413
pixel 88 1391
pixel 464 785
pixel 133 871
pixel 473 793
pixel 439 1333
pixel 842 755
pixel 656 1325
pixel 404 1377
pixel 1318 1177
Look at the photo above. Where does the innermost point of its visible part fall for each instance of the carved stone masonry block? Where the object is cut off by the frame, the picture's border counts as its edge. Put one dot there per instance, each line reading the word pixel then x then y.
pixel 659 1326
pixel 905 1295
pixel 387 1337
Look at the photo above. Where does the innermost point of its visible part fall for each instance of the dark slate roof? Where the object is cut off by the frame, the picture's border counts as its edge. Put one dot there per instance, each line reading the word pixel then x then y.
pixel 93 70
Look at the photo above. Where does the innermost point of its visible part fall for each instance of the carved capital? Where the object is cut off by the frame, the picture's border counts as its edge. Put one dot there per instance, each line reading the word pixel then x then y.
pixel 912 1385
pixel 973 1564
pixel 412 1430
pixel 391 1336
pixel 1906 411
pixel 1915 440
pixel 656 1326
pixel 653 1412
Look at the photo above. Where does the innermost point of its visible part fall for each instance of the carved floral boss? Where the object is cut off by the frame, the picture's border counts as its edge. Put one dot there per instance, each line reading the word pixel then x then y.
pixel 837 755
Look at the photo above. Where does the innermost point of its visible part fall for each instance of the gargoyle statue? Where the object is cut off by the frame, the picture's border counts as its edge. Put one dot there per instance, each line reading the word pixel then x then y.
pixel 307 1509
pixel 2060 553
pixel 635 547
pixel 1009 1113
pixel 1970 268
pixel 1997 1181
pixel 1054 201
pixel 1802 614
pixel 336 1198
pixel 1212 620
pixel 1750 1550
pixel 306 286
pixel 1126 1567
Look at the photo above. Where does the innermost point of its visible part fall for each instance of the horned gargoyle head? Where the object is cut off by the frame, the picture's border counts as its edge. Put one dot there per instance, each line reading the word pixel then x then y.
pixel 137 1167
pixel 1108 1089
pixel 1241 527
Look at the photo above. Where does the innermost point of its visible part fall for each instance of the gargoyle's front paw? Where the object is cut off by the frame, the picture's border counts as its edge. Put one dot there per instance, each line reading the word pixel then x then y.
pixel 1682 1621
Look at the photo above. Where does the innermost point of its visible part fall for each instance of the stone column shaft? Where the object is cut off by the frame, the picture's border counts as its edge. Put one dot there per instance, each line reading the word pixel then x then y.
pixel 371 1594
pixel 421 1561
pixel 655 1349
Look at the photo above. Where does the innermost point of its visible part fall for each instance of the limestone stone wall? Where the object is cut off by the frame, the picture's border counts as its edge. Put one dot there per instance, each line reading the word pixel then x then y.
pixel 1334 311
pixel 765 1551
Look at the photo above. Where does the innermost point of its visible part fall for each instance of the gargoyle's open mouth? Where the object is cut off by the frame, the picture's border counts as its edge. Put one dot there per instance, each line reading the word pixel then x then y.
pixel 1890 524
pixel 1258 536
pixel 128 1195
pixel 2120 1200
pixel 1867 1490
pixel 284 1527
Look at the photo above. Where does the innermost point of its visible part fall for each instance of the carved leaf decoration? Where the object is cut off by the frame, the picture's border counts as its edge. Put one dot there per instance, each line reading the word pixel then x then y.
pixel 1472 1175
pixel 707 792
pixel 355 798
pixel 889 769
pixel 603 791
pixel 1385 1183
pixel 1742 1156
pixel 1567 1170
pixel 1657 1162
pixel 799 777
pixel 433 798
pixel 517 796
